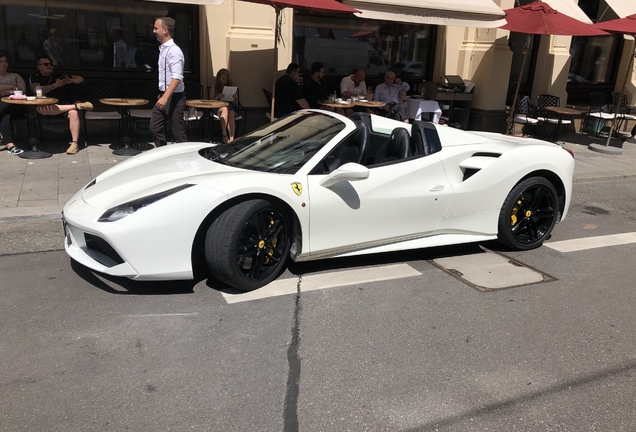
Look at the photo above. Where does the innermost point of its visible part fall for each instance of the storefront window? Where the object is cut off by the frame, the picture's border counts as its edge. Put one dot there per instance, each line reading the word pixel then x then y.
pixel 345 45
pixel 113 37
pixel 518 42
pixel 594 59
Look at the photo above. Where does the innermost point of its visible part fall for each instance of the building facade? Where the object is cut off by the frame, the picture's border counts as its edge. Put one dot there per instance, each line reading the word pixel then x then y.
pixel 80 36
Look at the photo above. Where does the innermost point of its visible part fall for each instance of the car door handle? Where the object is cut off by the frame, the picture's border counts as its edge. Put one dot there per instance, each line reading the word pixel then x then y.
pixel 437 188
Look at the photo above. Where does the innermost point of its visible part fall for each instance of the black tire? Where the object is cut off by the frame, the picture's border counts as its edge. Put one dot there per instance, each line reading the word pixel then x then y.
pixel 247 245
pixel 529 214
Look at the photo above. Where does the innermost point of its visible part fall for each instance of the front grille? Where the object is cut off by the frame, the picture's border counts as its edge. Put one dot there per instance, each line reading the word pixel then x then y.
pixel 100 245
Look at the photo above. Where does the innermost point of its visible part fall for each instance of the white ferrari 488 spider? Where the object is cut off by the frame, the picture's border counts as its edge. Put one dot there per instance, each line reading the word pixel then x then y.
pixel 315 185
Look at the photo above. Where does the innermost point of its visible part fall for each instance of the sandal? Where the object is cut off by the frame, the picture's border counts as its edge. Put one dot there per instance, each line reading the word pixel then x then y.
pixel 225 139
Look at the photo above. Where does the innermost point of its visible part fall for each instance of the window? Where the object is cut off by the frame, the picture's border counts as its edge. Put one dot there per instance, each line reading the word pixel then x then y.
pixel 84 35
pixel 594 59
pixel 345 45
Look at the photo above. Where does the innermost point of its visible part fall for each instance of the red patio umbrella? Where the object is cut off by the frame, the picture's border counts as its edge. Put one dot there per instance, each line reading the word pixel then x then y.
pixel 625 25
pixel 540 18
pixel 310 5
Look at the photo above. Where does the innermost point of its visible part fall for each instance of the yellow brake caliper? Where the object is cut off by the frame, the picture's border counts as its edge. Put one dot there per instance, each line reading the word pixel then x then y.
pixel 513 216
pixel 272 244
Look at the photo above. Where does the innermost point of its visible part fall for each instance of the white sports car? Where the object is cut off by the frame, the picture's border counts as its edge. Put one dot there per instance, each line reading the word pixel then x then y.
pixel 315 185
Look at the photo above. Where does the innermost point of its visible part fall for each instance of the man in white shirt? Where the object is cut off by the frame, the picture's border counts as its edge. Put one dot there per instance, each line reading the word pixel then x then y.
pixel 120 50
pixel 353 85
pixel 171 103
pixel 388 91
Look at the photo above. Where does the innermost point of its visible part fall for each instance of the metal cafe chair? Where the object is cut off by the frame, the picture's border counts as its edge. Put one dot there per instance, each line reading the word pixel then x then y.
pixel 599 114
pixel 523 113
pixel 268 96
pixel 547 117
pixel 623 114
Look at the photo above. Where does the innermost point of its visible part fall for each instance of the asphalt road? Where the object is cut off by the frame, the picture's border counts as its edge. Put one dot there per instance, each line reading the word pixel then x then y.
pixel 421 353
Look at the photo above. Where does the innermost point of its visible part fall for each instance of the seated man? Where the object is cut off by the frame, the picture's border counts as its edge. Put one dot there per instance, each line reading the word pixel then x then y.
pixel 387 92
pixel 289 96
pixel 353 85
pixel 56 85
pixel 314 90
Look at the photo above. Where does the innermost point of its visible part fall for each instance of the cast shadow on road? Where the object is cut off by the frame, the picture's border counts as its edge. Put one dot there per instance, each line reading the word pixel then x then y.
pixel 120 285
pixel 496 408
pixel 426 254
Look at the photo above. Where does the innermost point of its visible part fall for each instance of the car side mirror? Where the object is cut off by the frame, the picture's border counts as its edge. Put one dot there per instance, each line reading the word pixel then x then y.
pixel 350 171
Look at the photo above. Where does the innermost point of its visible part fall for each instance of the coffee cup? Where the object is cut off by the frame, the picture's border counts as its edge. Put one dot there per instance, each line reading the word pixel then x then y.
pixel 17 92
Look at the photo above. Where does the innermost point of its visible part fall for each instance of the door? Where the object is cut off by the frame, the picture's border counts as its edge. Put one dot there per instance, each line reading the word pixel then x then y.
pixel 400 201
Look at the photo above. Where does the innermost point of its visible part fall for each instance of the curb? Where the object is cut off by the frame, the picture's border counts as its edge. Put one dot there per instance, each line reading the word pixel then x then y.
pixel 603 177
pixel 21 214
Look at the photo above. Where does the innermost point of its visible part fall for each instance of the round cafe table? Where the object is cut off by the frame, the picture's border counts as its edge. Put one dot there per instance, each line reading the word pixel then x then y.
pixel 562 113
pixel 370 104
pixel 35 152
pixel 123 106
pixel 343 105
pixel 206 105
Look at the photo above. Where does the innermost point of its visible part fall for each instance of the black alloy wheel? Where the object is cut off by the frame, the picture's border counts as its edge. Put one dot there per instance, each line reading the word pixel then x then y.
pixel 247 246
pixel 529 214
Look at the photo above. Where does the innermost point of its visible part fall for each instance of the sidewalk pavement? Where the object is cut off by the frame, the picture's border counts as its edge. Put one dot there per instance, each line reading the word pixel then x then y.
pixel 39 188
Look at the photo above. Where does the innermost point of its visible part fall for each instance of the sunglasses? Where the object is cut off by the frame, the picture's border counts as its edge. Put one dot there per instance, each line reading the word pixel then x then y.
pixel 46 64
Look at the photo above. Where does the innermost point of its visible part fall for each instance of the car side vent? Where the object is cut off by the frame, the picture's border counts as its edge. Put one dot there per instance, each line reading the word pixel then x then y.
pixel 100 245
pixel 486 154
pixel 92 183
pixel 469 172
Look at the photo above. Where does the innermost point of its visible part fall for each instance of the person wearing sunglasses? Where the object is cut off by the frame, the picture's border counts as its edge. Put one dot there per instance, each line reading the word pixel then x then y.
pixel 59 86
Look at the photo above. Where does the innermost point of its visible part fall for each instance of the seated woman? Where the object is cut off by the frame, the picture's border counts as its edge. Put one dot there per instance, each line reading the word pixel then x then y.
pixel 226 114
pixel 8 83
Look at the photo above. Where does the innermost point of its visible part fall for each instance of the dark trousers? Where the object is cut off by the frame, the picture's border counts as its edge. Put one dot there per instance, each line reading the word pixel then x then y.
pixel 173 112
pixel 6 110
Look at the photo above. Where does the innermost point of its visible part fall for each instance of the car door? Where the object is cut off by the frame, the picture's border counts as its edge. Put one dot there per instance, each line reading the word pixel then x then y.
pixel 402 200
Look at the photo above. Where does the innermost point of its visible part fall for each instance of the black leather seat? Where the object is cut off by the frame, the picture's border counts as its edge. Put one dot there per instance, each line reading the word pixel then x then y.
pixel 424 138
pixel 396 148
pixel 354 149
pixel 362 117
pixel 357 149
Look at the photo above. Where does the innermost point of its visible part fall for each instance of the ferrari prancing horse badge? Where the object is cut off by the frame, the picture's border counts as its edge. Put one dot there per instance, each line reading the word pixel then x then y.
pixel 297 188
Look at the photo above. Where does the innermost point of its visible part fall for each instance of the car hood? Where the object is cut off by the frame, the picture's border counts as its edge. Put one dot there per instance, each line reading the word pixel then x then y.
pixel 152 172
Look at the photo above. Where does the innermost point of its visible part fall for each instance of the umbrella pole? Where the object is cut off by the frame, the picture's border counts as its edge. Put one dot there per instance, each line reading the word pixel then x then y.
pixel 276 36
pixel 526 48
pixel 627 75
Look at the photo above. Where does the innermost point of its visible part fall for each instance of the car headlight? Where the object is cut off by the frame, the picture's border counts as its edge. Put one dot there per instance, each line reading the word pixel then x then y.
pixel 123 210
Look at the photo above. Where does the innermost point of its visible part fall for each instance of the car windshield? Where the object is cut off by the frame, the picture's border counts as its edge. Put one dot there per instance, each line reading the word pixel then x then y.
pixel 281 147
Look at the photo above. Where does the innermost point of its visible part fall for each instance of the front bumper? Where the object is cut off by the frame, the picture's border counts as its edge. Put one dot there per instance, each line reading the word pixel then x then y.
pixel 154 243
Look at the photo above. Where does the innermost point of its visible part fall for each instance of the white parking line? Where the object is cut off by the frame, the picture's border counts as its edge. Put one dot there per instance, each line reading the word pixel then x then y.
pixel 163 315
pixel 592 242
pixel 326 280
